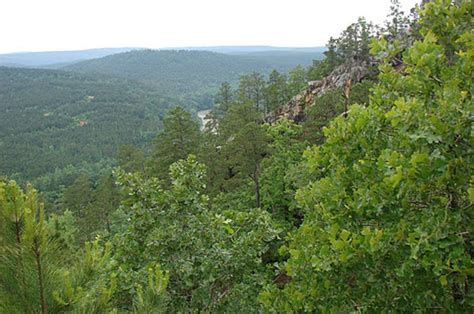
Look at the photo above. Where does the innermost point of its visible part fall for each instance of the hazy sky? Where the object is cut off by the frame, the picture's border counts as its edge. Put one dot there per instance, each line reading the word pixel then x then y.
pixel 42 25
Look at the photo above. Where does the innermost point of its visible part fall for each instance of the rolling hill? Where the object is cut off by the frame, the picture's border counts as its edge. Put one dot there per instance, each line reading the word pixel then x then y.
pixel 81 114
pixel 191 75
pixel 51 119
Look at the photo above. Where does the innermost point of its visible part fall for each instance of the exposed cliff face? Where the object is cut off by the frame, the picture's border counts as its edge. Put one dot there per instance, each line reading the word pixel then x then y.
pixel 342 77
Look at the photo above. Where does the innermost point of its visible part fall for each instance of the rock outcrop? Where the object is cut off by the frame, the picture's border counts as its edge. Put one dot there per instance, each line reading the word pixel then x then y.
pixel 341 77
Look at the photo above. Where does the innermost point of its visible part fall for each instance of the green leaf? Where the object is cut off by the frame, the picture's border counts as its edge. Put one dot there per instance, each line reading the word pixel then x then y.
pixel 344 235
pixel 366 231
pixel 443 280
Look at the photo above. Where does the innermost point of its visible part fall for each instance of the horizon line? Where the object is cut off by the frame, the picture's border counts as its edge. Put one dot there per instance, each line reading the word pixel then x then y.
pixel 163 48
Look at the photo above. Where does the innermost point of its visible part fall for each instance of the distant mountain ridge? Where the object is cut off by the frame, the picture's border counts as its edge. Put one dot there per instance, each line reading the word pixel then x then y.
pixel 192 76
pixel 49 58
pixel 250 49
pixel 57 59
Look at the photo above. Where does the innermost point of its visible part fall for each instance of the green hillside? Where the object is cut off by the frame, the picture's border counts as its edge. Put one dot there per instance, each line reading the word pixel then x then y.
pixel 192 76
pixel 50 119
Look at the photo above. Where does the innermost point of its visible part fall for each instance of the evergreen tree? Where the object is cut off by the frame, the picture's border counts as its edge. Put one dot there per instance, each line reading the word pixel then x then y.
pixel 297 80
pixel 107 200
pixel 79 196
pixel 353 44
pixel 179 138
pixel 28 260
pixel 245 145
pixel 210 154
pixel 276 91
pixel 130 158
pixel 223 100
pixel 251 90
pixel 286 149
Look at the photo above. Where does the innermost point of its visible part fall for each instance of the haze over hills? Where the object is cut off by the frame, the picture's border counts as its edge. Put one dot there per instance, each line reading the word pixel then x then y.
pixel 238 50
pixel 56 59
pixel 51 58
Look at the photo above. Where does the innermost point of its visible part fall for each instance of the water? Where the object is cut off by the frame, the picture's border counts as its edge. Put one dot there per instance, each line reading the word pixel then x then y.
pixel 202 116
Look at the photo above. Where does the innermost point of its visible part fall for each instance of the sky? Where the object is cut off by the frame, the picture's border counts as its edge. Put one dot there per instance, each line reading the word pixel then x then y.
pixel 52 25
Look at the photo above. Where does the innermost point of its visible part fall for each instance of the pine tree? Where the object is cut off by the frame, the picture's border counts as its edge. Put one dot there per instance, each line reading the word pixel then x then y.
pixel 179 138
pixel 297 80
pixel 107 200
pixel 28 260
pixel 79 196
pixel 251 90
pixel 245 144
pixel 223 100
pixel 130 158
pixel 276 91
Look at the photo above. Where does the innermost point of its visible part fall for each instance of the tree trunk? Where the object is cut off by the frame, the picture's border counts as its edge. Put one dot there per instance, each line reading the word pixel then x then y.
pixel 346 94
pixel 20 254
pixel 257 190
pixel 40 275
pixel 255 178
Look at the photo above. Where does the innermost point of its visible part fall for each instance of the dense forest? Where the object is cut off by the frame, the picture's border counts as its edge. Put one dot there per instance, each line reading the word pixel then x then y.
pixel 344 186
pixel 59 123
pixel 52 120
pixel 191 76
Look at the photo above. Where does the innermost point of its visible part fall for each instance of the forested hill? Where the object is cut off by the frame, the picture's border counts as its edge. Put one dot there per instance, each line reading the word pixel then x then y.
pixel 54 59
pixel 50 119
pixel 191 75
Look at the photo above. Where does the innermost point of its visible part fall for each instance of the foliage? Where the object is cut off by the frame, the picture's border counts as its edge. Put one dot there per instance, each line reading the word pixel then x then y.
pixel 53 185
pixel 63 231
pixel 212 256
pixel 86 287
pixel 376 218
pixel 398 23
pixel 217 168
pixel 223 100
pixel 251 90
pixel 178 138
pixel 245 144
pixel 286 150
pixel 28 258
pixel 296 80
pixel 276 90
pixel 388 212
pixel 328 106
pixel 352 44
pixel 131 158
pixel 79 196
pixel 91 204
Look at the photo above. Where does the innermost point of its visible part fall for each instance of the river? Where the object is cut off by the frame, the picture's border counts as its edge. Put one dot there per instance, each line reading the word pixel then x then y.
pixel 202 116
